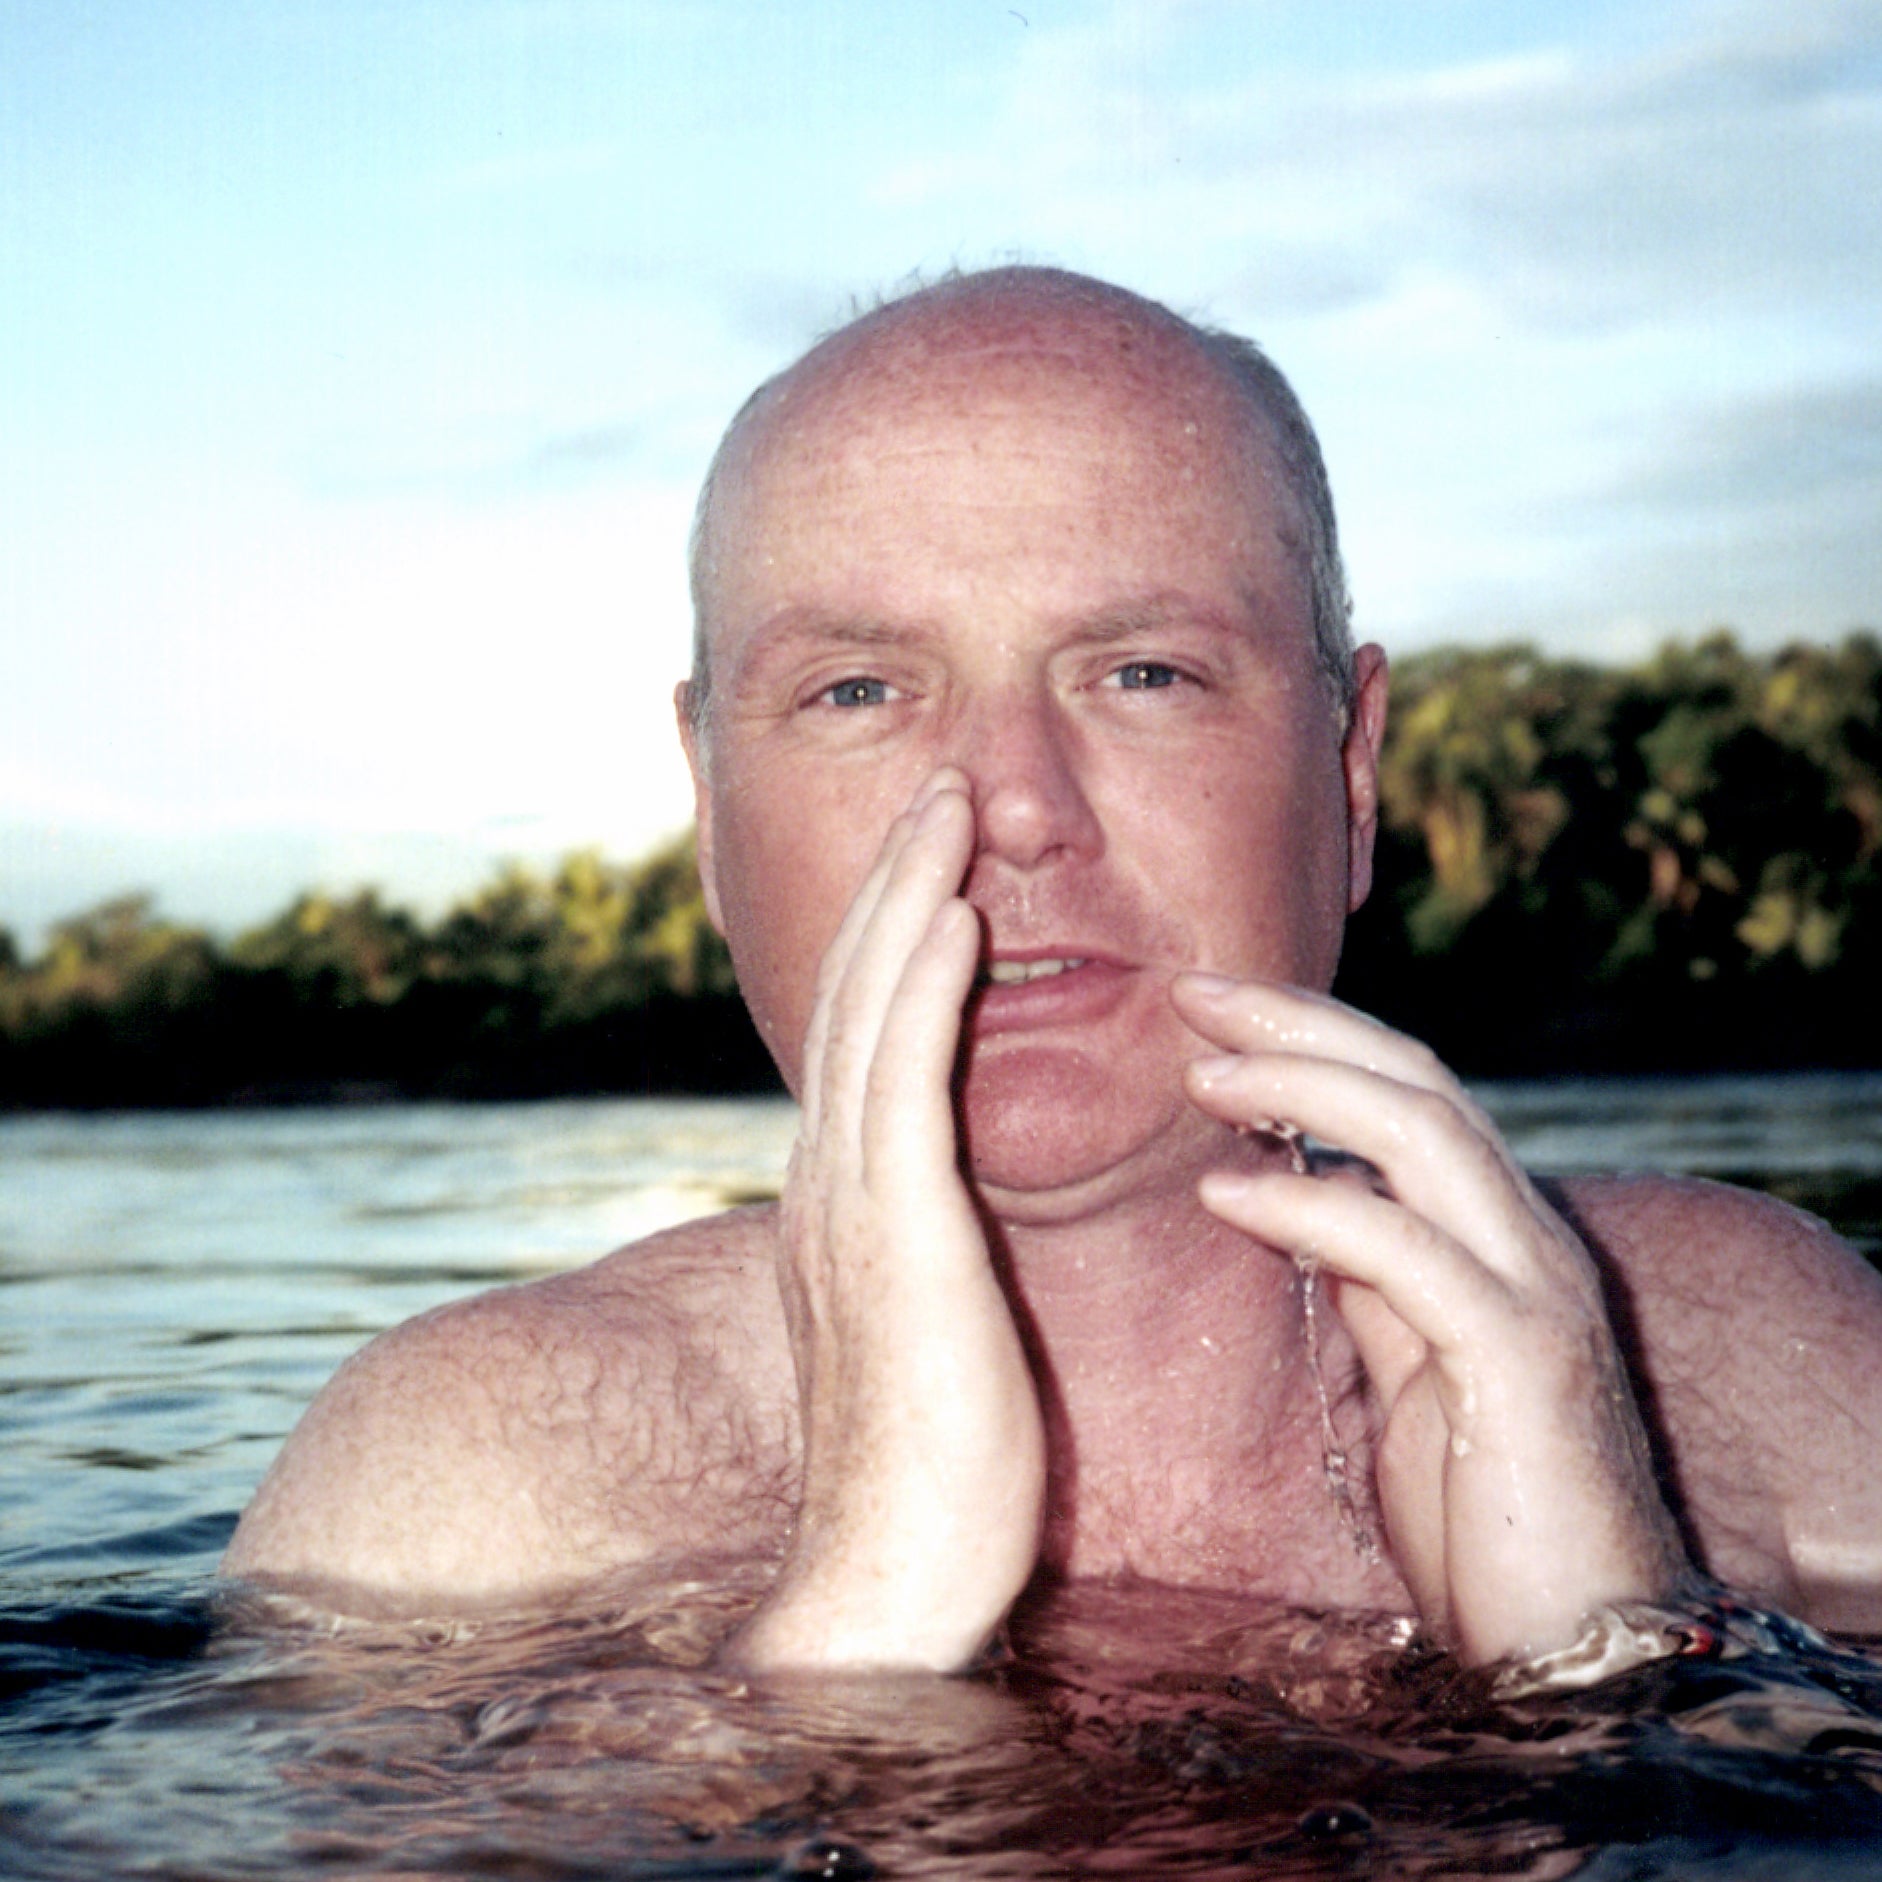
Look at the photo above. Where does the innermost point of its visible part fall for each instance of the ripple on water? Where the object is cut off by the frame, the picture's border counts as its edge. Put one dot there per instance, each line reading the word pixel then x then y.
pixel 176 1289
pixel 1126 1731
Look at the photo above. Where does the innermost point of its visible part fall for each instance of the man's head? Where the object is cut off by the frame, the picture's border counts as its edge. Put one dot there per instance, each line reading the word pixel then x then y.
pixel 1036 528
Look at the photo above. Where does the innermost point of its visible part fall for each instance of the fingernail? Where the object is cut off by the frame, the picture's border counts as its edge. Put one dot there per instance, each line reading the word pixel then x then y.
pixel 1216 1067
pixel 932 790
pixel 1210 986
pixel 1226 1188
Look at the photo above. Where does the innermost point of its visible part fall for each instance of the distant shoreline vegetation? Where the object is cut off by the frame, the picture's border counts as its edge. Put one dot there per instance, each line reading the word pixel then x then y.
pixel 1668 866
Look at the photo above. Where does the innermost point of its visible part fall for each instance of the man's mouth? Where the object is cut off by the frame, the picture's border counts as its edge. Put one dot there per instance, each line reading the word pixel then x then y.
pixel 1017 973
pixel 1018 993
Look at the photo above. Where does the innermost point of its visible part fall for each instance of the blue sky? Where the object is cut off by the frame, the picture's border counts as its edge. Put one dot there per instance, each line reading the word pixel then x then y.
pixel 358 361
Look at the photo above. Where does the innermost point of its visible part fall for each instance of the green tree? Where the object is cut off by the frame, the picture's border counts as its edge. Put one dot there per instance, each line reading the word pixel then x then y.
pixel 342 953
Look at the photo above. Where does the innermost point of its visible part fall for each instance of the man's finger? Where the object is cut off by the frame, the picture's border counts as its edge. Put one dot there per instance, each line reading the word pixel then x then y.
pixel 922 859
pixel 1391 1350
pixel 1255 1016
pixel 1430 1148
pixel 908 1104
pixel 1435 1285
pixel 924 873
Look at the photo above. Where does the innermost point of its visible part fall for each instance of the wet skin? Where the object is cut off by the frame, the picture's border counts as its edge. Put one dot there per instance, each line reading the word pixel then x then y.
pixel 1053 611
pixel 1032 825
pixel 1096 619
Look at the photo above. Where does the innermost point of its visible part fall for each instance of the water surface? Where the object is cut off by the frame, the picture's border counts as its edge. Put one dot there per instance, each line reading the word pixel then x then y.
pixel 173 1289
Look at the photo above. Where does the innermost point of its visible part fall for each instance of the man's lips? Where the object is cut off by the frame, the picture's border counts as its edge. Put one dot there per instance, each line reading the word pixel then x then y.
pixel 1019 990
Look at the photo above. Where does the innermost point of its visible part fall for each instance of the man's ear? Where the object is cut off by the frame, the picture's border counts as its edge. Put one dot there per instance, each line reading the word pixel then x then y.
pixel 1360 757
pixel 702 801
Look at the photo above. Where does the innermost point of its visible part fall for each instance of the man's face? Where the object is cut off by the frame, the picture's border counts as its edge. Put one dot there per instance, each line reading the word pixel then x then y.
pixel 1062 571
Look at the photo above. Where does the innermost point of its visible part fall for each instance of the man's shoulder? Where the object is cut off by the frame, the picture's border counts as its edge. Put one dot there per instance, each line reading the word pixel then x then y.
pixel 1711 1275
pixel 543 1434
pixel 693 1306
pixel 1757 1333
pixel 1674 1234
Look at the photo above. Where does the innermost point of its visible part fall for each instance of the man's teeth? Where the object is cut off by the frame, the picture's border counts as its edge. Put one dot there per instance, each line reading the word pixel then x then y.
pixel 1011 973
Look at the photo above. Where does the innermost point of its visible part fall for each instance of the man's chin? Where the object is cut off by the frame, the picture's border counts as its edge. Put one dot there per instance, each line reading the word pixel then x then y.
pixel 1052 1137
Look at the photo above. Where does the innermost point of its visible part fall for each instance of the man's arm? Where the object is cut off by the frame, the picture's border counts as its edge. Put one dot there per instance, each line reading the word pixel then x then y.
pixel 1515 1473
pixel 455 1457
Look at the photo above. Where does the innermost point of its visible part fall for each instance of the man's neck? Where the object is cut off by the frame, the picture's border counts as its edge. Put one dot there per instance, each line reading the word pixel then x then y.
pixel 1182 1408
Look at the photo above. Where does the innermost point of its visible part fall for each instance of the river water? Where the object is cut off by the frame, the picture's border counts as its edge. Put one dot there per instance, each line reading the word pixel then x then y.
pixel 173 1289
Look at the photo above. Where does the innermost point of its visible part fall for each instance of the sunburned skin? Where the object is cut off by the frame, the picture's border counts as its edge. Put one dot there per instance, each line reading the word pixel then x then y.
pixel 520 1447
pixel 1032 819
pixel 1506 1572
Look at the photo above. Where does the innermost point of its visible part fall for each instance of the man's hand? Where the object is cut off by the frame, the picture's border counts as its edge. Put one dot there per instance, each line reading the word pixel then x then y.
pixel 924 1449
pixel 1513 1469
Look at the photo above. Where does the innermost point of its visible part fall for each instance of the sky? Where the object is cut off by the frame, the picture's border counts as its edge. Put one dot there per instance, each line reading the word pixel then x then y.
pixel 359 361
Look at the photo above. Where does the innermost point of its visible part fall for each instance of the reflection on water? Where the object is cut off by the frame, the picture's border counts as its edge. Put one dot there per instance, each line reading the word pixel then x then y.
pixel 1126 1732
pixel 174 1289
pixel 1811 1138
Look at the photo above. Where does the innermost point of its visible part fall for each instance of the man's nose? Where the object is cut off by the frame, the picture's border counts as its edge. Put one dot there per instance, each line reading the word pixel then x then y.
pixel 1024 763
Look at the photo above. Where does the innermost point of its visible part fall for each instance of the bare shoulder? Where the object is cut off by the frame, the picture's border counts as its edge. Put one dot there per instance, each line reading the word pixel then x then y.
pixel 1757 1334
pixel 538 1436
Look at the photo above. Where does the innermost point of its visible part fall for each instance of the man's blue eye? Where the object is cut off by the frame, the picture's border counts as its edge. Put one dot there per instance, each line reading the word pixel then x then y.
pixel 1141 675
pixel 858 693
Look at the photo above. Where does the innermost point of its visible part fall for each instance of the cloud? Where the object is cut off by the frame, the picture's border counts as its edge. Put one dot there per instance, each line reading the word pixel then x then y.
pixel 1759 509
pixel 1813 445
pixel 593 446
pixel 583 409
pixel 1755 511
pixel 1568 185
pixel 1587 319
pixel 1578 192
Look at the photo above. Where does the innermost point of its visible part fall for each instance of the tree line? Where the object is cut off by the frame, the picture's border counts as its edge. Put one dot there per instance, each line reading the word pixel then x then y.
pixel 600 977
pixel 1669 865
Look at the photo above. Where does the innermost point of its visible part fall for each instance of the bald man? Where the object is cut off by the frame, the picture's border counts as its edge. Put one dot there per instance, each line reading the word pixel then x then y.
pixel 1036 778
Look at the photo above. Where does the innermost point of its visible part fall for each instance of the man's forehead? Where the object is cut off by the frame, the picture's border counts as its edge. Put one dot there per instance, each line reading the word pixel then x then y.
pixel 883 448
pixel 963 471
pixel 867 537
pixel 881 391
pixel 1161 440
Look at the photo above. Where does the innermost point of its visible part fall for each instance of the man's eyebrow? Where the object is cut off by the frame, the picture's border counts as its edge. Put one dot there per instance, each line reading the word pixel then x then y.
pixel 796 634
pixel 1152 614
pixel 794 627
